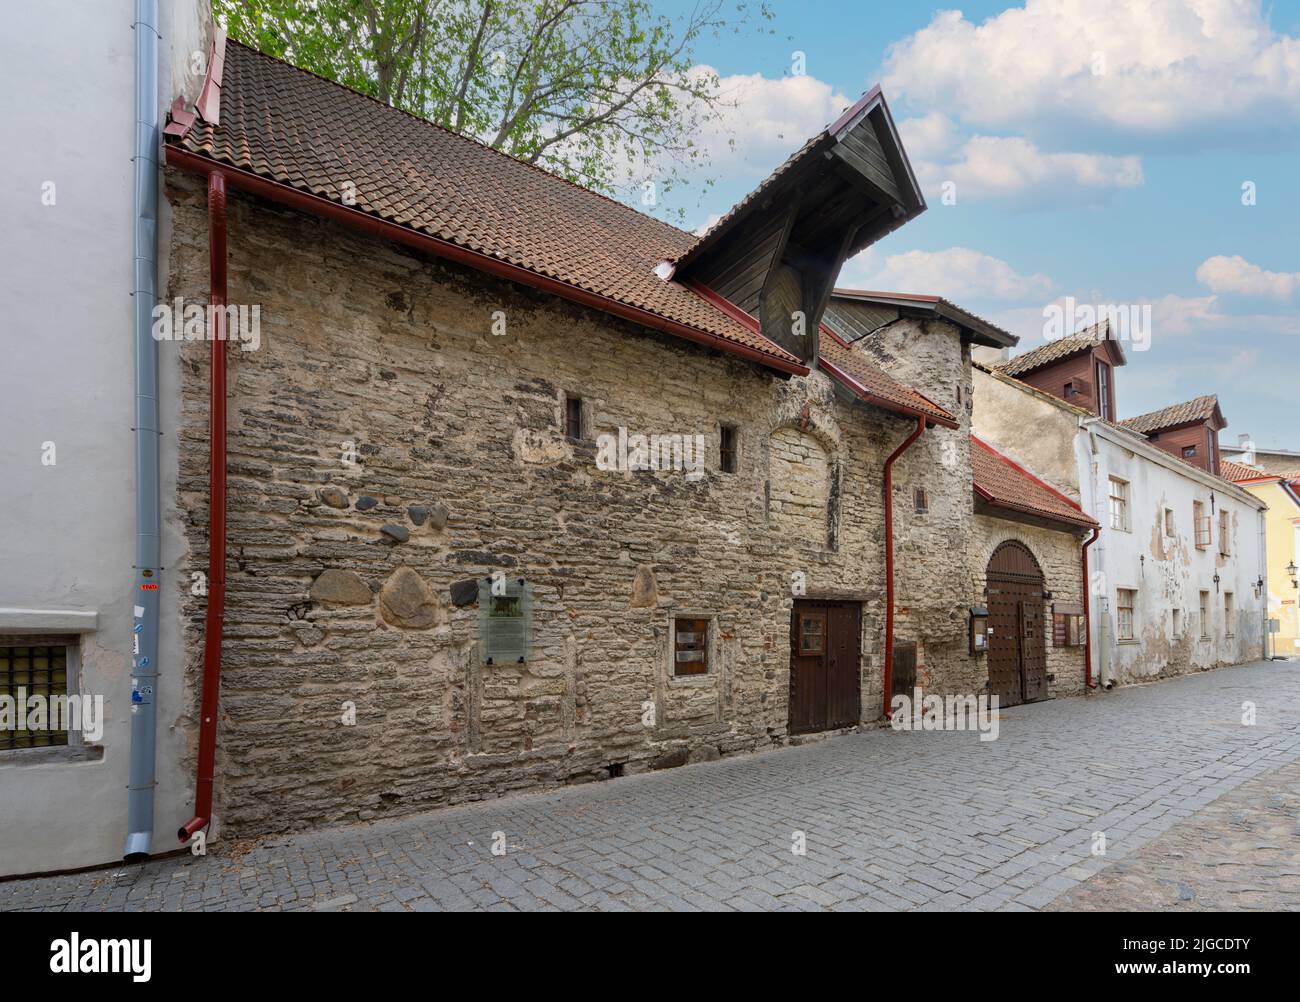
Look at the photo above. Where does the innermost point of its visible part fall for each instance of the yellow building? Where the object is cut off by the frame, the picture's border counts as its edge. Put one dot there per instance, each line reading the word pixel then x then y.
pixel 1281 492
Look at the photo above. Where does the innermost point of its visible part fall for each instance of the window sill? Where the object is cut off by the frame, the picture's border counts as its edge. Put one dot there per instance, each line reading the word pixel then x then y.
pixel 1129 642
pixel 690 681
pixel 54 755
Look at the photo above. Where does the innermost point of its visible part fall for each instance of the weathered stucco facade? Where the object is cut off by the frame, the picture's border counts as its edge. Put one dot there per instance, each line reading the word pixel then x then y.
pixel 1152 558
pixel 340 574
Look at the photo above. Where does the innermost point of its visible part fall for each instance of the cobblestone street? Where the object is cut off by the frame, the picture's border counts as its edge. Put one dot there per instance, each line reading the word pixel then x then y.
pixel 891 820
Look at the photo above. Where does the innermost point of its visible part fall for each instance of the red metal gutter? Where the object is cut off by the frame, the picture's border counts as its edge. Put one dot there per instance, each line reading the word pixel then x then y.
pixel 888 679
pixel 1087 615
pixel 214 622
pixel 307 202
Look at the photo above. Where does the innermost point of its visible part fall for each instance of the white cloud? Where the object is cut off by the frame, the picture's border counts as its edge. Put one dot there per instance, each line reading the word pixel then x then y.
pixel 1236 274
pixel 1168 66
pixel 958 273
pixel 763 120
pixel 1008 166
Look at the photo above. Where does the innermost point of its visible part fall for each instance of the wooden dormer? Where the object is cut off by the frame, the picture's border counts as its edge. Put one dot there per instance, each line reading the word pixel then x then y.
pixel 1079 369
pixel 1188 430
pixel 777 253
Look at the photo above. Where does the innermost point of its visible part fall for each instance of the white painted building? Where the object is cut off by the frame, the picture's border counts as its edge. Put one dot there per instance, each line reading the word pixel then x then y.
pixel 67 541
pixel 1177 567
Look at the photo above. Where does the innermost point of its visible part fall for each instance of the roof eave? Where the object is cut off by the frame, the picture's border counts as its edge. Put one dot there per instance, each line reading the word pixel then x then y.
pixel 285 194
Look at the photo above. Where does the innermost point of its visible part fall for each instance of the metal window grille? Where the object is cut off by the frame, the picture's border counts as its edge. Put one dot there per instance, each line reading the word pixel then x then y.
pixel 33 670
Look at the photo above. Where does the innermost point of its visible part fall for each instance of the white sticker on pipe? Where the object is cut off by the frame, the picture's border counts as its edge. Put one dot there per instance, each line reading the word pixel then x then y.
pixel 139 612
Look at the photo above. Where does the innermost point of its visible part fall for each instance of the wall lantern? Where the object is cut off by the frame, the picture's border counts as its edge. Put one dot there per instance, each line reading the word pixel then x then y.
pixel 979 629
pixel 1216 580
pixel 1290 569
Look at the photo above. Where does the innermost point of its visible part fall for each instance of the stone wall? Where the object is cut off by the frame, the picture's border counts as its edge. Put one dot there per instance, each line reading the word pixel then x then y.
pixel 341 574
pixel 1059 555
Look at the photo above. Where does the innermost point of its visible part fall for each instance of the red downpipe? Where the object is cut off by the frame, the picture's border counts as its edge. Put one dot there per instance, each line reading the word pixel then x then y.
pixel 214 622
pixel 888 683
pixel 1087 616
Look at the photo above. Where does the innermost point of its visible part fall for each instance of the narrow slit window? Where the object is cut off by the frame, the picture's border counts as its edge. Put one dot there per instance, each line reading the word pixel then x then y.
pixel 727 448
pixel 920 500
pixel 573 417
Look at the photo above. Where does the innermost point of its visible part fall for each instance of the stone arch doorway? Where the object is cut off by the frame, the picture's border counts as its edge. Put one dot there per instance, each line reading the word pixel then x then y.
pixel 1017 626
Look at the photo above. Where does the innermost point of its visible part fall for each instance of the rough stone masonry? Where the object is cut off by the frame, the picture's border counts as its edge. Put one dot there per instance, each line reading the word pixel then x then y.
pixel 387 451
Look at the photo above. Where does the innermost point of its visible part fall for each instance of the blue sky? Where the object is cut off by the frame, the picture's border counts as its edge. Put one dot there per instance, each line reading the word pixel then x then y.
pixel 1096 150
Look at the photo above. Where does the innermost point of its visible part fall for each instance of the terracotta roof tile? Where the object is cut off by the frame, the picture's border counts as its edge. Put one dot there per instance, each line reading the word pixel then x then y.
pixel 1200 409
pixel 1002 483
pixel 875 382
pixel 1054 351
pixel 300 130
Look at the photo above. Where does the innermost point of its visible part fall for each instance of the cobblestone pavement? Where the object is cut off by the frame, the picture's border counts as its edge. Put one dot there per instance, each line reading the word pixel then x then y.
pixel 1241 852
pixel 892 820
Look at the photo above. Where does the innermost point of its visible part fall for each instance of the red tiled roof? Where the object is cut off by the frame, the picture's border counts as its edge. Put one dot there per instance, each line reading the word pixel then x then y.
pixel 309 134
pixel 1064 347
pixel 1200 409
pixel 1002 483
pixel 1237 472
pixel 871 384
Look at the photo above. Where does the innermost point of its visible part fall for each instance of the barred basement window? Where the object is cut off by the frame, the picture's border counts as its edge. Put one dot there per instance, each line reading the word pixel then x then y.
pixel 920 500
pixel 573 417
pixel 690 647
pixel 505 620
pixel 727 448
pixel 32 667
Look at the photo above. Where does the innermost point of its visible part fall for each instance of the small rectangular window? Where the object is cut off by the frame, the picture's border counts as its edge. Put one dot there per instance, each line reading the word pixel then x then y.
pixel 1068 629
pixel 1229 626
pixel 1119 504
pixel 1205 615
pixel 812 633
pixel 727 448
pixel 1169 523
pixel 573 417
pixel 1189 452
pixel 1225 533
pixel 690 647
pixel 1177 617
pixel 1200 525
pixel 1126 604
pixel 920 500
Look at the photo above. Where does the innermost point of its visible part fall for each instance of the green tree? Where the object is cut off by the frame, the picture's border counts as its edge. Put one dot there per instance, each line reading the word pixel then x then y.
pixel 599 91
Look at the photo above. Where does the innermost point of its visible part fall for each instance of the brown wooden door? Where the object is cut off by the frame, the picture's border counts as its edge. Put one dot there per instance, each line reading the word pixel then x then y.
pixel 1017 650
pixel 825 660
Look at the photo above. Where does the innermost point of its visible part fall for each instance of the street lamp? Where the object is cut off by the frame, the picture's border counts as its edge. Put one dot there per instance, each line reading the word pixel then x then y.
pixel 1290 569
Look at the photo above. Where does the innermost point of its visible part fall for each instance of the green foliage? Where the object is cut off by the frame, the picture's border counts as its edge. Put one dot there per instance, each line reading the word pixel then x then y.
pixel 598 91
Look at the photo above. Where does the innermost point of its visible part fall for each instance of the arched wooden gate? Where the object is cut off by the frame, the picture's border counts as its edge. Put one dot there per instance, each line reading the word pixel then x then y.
pixel 1017 627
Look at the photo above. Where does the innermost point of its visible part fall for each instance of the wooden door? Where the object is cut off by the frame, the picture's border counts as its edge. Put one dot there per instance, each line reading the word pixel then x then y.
pixel 1017 646
pixel 825 660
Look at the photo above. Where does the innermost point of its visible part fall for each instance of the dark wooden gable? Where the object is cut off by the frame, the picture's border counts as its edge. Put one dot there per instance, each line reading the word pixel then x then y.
pixel 778 253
